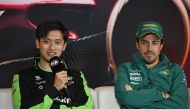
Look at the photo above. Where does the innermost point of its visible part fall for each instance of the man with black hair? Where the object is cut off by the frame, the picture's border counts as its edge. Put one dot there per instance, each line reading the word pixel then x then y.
pixel 38 87
pixel 151 81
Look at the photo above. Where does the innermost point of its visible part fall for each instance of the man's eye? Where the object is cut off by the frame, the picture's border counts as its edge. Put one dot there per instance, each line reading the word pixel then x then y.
pixel 155 43
pixel 45 41
pixel 144 43
pixel 58 43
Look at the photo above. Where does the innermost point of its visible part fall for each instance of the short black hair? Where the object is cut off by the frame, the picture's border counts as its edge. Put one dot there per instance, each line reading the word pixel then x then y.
pixel 45 27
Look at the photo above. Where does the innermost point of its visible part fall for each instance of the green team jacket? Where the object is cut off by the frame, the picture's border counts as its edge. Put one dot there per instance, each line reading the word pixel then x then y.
pixel 148 85
pixel 33 88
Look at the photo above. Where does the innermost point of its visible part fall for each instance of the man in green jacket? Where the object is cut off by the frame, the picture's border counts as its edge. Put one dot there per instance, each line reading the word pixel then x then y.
pixel 41 87
pixel 151 81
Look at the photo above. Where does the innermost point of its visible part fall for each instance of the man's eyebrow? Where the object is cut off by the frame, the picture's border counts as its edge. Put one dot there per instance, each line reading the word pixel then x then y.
pixel 59 39
pixel 156 40
pixel 143 40
pixel 44 38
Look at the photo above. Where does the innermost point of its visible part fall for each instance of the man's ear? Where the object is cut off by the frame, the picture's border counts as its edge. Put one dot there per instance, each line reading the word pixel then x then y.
pixel 161 46
pixel 37 43
pixel 65 45
pixel 137 45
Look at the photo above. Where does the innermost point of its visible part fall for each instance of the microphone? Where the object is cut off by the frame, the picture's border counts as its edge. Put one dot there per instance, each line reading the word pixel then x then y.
pixel 57 64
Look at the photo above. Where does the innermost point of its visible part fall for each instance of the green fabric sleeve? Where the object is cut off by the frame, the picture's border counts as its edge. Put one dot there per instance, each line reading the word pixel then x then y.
pixel 89 103
pixel 44 105
pixel 16 97
pixel 134 98
pixel 179 93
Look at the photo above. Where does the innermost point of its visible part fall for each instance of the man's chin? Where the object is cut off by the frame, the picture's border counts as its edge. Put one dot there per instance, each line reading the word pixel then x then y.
pixel 149 61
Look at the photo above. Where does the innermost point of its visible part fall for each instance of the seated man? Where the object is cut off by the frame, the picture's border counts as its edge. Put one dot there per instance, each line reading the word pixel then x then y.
pixel 38 87
pixel 151 81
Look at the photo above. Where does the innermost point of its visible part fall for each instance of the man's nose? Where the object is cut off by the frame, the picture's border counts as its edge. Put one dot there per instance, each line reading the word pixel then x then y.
pixel 52 46
pixel 149 46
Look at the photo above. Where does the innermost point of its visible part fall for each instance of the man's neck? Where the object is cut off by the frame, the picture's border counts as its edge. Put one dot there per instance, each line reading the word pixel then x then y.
pixel 44 66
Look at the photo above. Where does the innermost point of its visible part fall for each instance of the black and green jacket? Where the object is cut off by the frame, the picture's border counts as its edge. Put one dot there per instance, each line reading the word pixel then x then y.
pixel 148 85
pixel 33 88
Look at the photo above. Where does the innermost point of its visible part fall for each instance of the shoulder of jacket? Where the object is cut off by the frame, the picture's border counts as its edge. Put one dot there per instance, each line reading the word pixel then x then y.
pixel 125 64
pixel 175 68
pixel 26 71
pixel 128 65
pixel 74 72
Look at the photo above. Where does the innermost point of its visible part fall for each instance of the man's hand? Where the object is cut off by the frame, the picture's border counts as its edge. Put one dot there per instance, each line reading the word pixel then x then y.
pixel 128 87
pixel 60 80
pixel 165 95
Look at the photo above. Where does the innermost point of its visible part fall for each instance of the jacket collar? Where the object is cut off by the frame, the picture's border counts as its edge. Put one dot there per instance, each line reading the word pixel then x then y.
pixel 163 59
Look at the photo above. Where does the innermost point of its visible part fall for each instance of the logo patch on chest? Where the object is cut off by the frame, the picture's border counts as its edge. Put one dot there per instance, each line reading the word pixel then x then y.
pixel 70 80
pixel 165 72
pixel 135 76
pixel 39 82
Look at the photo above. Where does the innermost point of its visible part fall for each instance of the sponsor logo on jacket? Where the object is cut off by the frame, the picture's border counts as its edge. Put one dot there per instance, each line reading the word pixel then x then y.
pixel 165 72
pixel 65 100
pixel 70 80
pixel 135 76
pixel 184 79
pixel 39 82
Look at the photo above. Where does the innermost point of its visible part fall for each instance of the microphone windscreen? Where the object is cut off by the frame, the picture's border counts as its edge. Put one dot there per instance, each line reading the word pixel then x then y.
pixel 57 64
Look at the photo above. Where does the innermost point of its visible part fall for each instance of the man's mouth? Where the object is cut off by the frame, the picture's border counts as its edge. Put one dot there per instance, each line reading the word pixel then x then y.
pixel 51 53
pixel 149 54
